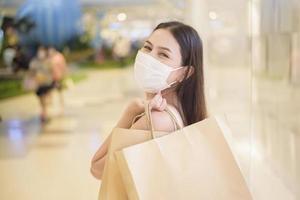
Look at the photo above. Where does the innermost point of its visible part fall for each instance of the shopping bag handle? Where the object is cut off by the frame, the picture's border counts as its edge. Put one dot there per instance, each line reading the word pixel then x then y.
pixel 149 118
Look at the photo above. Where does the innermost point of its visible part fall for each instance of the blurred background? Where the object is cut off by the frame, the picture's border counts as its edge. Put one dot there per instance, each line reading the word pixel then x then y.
pixel 252 72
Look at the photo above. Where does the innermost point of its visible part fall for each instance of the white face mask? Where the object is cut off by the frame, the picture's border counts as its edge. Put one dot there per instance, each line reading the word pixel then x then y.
pixel 150 74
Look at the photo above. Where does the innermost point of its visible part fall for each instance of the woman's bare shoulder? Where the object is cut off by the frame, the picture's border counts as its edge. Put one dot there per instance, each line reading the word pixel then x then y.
pixel 161 122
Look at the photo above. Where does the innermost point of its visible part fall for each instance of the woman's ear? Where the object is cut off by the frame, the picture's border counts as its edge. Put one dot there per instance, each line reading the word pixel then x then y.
pixel 188 71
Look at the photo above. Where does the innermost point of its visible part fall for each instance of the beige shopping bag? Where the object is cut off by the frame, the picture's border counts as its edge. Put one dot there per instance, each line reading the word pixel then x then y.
pixel 112 187
pixel 194 163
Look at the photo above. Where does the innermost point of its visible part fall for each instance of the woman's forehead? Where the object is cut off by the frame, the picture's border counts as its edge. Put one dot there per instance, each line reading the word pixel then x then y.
pixel 163 38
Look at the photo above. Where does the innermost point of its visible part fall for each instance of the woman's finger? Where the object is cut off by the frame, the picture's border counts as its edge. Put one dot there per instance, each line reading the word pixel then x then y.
pixel 161 106
pixel 159 98
pixel 161 102
pixel 164 105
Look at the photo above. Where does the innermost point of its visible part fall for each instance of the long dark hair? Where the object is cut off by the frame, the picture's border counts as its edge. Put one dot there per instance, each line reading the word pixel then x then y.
pixel 191 90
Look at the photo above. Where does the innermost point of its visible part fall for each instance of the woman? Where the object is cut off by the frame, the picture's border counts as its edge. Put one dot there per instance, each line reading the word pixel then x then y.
pixel 169 68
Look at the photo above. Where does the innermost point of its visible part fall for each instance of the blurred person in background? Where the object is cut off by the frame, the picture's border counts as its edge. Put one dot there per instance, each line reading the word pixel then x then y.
pixel 20 61
pixel 41 70
pixel 8 56
pixel 59 71
pixel 169 70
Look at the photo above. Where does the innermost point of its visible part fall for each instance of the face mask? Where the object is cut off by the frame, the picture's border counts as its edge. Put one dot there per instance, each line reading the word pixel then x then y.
pixel 150 74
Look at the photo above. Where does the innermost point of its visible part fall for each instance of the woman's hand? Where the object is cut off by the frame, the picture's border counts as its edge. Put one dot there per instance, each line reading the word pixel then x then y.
pixel 158 103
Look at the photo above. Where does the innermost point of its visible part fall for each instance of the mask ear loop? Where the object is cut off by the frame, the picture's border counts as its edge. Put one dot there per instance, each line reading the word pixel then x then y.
pixel 174 82
pixel 171 85
pixel 176 69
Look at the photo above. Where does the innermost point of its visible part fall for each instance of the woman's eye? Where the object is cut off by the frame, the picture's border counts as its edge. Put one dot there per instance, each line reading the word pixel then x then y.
pixel 164 55
pixel 146 47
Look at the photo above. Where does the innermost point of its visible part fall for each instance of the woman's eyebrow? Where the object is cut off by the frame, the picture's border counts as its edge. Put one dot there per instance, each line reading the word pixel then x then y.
pixel 147 41
pixel 160 47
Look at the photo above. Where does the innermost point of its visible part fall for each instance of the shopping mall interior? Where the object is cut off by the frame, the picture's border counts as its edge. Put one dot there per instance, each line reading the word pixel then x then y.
pixel 252 77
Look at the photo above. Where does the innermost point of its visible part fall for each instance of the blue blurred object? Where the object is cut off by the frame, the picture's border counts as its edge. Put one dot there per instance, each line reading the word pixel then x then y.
pixel 48 22
pixel 1 38
pixel 1 33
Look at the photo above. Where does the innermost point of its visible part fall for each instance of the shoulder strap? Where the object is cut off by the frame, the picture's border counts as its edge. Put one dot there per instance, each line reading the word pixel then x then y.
pixel 176 117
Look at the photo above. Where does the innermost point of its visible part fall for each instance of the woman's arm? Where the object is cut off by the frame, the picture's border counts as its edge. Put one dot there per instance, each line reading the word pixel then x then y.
pixel 98 160
pixel 161 122
pixel 133 109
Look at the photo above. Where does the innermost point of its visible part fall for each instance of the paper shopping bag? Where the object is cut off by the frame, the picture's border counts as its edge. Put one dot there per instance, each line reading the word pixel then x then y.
pixel 112 187
pixel 193 163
